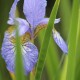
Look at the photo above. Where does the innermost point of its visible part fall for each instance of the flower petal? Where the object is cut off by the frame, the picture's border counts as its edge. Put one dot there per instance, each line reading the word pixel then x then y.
pixel 59 41
pixel 46 20
pixel 7 52
pixel 34 10
pixel 23 27
pixel 43 24
pixel 38 29
pixel 29 54
pixel 12 13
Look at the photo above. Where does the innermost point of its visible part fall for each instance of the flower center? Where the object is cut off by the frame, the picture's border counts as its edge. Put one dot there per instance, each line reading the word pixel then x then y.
pixel 24 38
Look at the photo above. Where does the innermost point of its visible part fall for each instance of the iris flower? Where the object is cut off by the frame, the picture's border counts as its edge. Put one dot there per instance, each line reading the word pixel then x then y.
pixel 34 11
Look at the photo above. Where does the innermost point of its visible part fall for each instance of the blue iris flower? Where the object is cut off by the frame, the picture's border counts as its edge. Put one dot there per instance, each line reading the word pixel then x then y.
pixel 34 11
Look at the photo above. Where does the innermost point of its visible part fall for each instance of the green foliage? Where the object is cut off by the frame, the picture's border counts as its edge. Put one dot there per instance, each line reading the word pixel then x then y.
pixel 47 36
pixel 72 41
pixel 19 63
pixel 4 12
pixel 49 66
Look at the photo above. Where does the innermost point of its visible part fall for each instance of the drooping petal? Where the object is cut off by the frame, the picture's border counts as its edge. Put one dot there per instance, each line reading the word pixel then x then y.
pixel 29 54
pixel 34 11
pixel 59 41
pixel 12 13
pixel 46 20
pixel 7 51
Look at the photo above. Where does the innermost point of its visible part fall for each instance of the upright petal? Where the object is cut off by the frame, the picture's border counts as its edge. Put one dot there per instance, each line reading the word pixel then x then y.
pixel 12 13
pixel 29 54
pixel 34 11
pixel 60 42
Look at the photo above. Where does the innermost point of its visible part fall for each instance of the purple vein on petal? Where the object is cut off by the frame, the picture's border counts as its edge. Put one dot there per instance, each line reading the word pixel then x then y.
pixel 29 54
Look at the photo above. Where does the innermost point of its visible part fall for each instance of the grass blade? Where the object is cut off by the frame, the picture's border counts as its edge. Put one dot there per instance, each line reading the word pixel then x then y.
pixel 65 12
pixel 72 41
pixel 64 69
pixel 44 46
pixel 19 63
pixel 78 52
pixel 51 58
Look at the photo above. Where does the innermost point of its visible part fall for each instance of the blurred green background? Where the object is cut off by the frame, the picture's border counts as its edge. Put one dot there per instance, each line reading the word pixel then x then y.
pixel 56 63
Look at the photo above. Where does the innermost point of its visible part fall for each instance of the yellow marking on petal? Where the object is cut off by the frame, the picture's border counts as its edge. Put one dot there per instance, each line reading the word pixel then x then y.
pixel 54 31
pixel 12 76
pixel 10 29
pixel 13 40
pixel 32 74
pixel 39 28
pixel 24 38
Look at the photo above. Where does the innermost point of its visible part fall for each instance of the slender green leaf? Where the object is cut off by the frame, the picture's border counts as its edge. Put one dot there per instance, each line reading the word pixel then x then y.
pixel 78 52
pixel 64 69
pixel 52 60
pixel 45 43
pixel 19 63
pixel 72 41
pixel 65 12
pixel 52 57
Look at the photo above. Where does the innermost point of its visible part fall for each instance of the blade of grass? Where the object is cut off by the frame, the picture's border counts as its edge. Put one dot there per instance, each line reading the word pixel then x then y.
pixel 72 41
pixel 45 43
pixel 78 52
pixel 65 12
pixel 52 60
pixel 52 57
pixel 19 63
pixel 64 69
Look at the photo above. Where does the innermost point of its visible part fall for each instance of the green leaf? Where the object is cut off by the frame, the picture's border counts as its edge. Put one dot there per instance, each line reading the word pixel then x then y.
pixel 19 63
pixel 65 12
pixel 72 41
pixel 45 43
pixel 64 69
pixel 51 58
pixel 78 52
